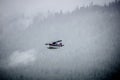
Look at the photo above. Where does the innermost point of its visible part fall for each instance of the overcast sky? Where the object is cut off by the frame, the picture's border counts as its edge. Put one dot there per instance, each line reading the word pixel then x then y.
pixel 33 6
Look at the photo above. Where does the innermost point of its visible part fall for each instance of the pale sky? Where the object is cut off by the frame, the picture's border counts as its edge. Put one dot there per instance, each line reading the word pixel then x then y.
pixel 33 6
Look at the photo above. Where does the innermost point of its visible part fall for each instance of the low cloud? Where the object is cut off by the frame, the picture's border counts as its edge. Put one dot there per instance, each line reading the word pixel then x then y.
pixel 22 58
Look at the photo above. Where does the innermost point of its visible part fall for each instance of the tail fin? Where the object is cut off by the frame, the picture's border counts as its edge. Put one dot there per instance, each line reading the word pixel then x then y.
pixel 47 44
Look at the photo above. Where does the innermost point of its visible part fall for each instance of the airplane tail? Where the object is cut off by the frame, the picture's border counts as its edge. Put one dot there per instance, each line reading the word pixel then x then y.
pixel 47 44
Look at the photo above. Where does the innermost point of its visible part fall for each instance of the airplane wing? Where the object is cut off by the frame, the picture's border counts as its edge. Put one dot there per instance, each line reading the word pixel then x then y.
pixel 56 41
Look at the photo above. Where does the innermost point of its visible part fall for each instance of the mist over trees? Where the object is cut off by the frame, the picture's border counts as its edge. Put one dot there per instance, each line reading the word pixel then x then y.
pixel 88 31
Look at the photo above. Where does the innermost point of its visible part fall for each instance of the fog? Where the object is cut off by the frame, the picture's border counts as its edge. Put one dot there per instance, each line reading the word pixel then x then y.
pixel 90 35
pixel 32 7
